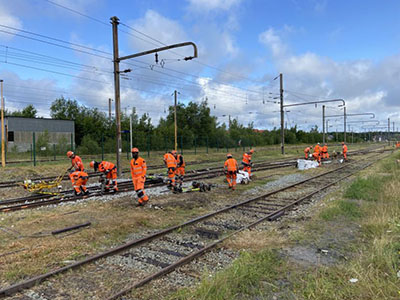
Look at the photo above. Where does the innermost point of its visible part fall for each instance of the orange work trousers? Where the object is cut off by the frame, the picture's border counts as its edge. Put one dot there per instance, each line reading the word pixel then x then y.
pixel 138 184
pixel 231 178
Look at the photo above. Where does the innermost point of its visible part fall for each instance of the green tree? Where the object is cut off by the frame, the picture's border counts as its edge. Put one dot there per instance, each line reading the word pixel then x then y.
pixel 28 112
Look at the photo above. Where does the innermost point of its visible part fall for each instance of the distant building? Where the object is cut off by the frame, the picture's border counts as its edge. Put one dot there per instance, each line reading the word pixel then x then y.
pixel 19 131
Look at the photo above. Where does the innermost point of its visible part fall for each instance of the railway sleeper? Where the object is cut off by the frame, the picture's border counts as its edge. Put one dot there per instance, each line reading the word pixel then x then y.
pixel 226 225
pixel 207 233
pixel 147 260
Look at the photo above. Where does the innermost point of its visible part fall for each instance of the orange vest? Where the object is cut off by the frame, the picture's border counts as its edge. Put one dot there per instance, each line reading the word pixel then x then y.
pixel 344 148
pixel 138 167
pixel 325 149
pixel 246 158
pixel 180 161
pixel 78 174
pixel 307 150
pixel 169 160
pixel 105 166
pixel 231 164
pixel 77 163
pixel 317 148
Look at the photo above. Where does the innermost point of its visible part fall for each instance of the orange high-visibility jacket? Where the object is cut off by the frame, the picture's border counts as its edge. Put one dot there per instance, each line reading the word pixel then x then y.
pixel 246 158
pixel 307 150
pixel 325 149
pixel 138 167
pixel 105 166
pixel 78 174
pixel 231 165
pixel 344 148
pixel 317 148
pixel 169 160
pixel 180 161
pixel 77 163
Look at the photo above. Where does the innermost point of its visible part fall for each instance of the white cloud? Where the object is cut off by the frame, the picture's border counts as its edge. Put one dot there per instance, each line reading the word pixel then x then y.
pixel 9 19
pixel 205 6
pixel 364 84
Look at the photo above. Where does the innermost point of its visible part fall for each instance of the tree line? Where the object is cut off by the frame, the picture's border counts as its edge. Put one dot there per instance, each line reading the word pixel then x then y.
pixel 196 128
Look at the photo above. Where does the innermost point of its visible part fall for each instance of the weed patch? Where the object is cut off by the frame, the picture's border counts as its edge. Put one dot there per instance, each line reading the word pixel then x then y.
pixel 365 188
pixel 342 208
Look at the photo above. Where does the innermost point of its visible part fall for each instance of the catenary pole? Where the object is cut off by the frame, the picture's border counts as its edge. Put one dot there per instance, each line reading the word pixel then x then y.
pixel 115 22
pixel 282 114
pixel 323 123
pixel 3 142
pixel 175 122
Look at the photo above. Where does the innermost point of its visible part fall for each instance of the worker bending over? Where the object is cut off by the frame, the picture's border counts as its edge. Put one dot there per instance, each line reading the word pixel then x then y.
pixel 231 168
pixel 170 163
pixel 110 170
pixel 76 161
pixel 138 172
pixel 317 153
pixel 344 151
pixel 180 169
pixel 307 152
pixel 324 151
pixel 246 161
pixel 79 180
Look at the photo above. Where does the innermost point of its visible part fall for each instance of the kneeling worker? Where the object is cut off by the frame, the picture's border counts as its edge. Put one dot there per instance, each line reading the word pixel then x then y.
pixel 110 170
pixel 231 168
pixel 138 172
pixel 79 180
pixel 307 152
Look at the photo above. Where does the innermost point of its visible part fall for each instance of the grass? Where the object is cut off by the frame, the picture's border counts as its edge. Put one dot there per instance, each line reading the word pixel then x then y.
pixel 366 215
pixel 245 276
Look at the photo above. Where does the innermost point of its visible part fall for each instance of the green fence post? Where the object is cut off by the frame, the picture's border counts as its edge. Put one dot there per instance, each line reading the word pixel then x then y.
pixel 34 149
pixel 102 146
pixel 127 151
pixel 54 151
pixel 148 146
pixel 207 144
pixel 72 141
pixel 181 144
pixel 195 146
pixel 31 154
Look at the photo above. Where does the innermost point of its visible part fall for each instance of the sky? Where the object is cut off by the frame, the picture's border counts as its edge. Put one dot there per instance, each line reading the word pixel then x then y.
pixel 325 50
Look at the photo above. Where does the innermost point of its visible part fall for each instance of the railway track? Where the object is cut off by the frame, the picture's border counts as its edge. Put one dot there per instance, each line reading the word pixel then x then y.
pixel 138 262
pixel 39 200
pixel 14 183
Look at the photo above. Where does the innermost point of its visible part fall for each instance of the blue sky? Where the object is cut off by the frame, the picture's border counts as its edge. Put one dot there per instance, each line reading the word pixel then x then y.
pixel 325 49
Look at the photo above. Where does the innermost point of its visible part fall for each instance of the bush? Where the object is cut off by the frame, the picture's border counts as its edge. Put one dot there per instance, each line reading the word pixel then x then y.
pixel 89 146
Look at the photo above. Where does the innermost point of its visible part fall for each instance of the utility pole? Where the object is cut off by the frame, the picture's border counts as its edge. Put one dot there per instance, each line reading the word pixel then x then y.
pixel 388 131
pixel 115 22
pixel 176 125
pixel 323 124
pixel 130 129
pixel 282 114
pixel 344 123
pixel 3 142
pixel 117 60
pixel 109 108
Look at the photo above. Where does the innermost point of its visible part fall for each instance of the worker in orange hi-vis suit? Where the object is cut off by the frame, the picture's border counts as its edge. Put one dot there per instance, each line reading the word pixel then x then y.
pixel 79 180
pixel 170 163
pixel 324 151
pixel 138 172
pixel 307 152
pixel 317 153
pixel 344 150
pixel 231 168
pixel 110 170
pixel 180 169
pixel 76 161
pixel 246 161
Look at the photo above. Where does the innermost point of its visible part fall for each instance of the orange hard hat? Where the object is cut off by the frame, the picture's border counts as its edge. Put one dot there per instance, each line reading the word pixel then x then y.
pixel 135 150
pixel 229 155
pixel 70 153
pixel 251 150
pixel 92 164
pixel 173 152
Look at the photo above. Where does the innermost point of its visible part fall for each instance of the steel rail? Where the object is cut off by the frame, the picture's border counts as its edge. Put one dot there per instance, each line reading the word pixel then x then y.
pixel 200 252
pixel 126 187
pixel 37 279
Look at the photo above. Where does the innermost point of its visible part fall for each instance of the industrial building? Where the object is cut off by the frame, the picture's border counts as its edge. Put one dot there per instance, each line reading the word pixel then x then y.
pixel 19 132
